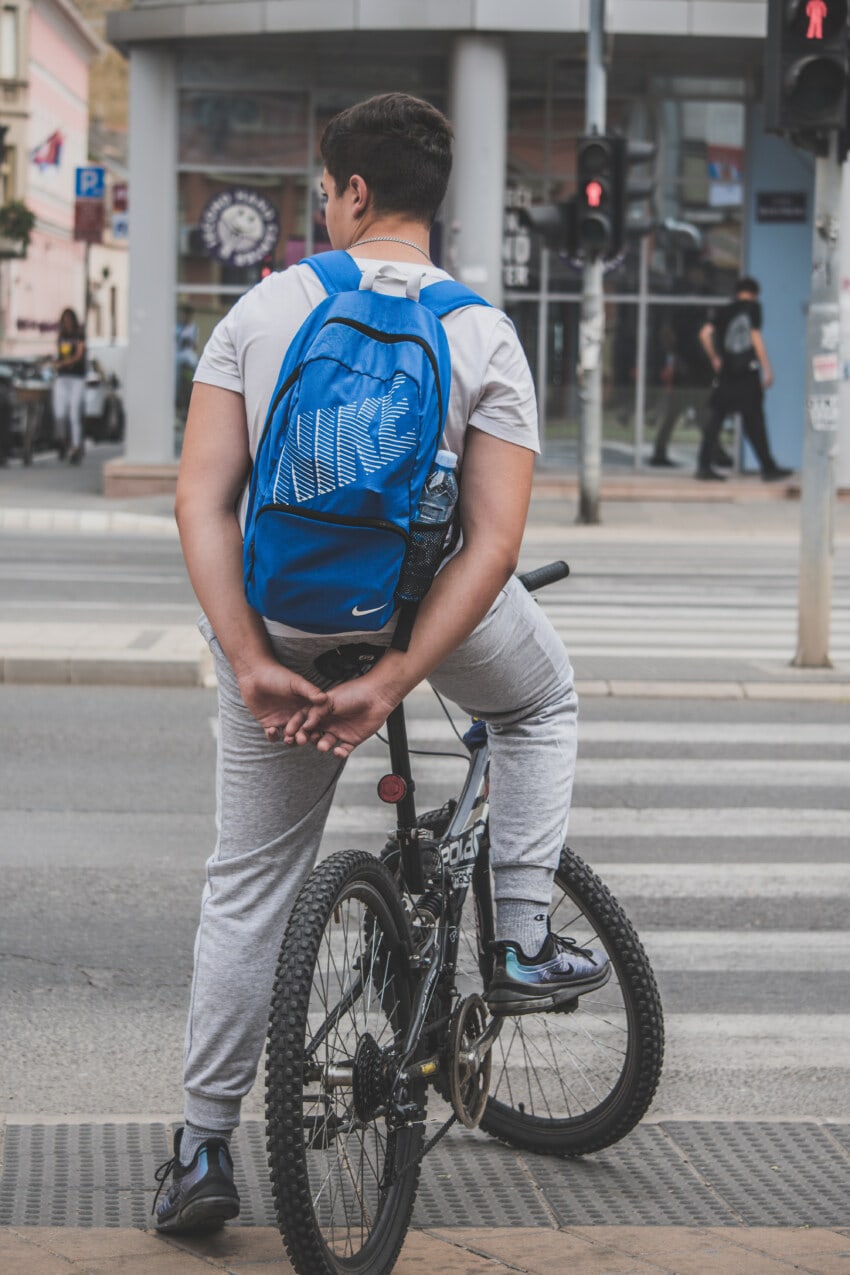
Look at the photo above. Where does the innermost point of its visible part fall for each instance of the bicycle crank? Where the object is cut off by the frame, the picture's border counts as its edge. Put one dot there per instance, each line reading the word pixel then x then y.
pixel 470 1062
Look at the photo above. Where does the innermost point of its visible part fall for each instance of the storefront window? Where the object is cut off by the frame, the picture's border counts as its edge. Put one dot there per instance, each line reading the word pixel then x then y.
pixel 244 129
pixel 235 227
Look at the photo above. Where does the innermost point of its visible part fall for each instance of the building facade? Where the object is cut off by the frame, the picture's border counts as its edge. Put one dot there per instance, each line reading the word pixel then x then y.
pixel 46 50
pixel 227 103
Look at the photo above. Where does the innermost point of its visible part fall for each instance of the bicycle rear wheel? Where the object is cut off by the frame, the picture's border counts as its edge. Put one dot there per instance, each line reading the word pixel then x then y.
pixel 567 1083
pixel 341 1004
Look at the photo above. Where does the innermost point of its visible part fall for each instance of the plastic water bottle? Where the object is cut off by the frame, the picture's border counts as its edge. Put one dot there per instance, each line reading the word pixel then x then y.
pixel 430 531
pixel 439 495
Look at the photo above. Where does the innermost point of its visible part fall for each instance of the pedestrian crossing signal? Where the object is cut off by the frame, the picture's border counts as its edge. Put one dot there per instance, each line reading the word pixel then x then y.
pixel 806 70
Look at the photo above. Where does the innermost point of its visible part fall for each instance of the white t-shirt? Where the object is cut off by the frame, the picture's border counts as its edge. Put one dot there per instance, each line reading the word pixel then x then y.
pixel 492 389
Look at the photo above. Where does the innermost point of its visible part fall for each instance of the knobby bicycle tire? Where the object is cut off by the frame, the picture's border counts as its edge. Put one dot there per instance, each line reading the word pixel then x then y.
pixel 316 1215
pixel 581 902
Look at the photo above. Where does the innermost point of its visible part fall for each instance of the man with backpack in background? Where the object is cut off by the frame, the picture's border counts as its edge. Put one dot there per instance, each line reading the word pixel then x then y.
pixel 735 346
pixel 478 636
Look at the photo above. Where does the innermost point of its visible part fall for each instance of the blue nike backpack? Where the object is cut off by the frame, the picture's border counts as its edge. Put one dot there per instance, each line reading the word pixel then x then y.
pixel 352 430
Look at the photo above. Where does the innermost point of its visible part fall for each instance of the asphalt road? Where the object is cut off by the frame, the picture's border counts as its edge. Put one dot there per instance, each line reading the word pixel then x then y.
pixel 106 818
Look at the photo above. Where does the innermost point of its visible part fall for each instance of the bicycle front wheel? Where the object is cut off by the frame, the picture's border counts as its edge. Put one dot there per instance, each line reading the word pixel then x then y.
pixel 341 1004
pixel 567 1083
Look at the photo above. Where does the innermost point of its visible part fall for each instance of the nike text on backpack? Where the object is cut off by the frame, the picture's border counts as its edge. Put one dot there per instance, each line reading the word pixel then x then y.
pixel 351 434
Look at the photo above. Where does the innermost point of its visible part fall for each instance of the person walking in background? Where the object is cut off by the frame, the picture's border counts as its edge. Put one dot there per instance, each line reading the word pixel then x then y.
pixel 734 344
pixel 69 384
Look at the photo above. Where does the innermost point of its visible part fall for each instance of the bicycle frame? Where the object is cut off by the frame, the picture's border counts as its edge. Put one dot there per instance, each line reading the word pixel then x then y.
pixel 463 852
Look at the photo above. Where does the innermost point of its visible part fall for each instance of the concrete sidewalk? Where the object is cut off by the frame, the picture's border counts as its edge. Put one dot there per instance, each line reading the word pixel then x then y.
pixel 592 1250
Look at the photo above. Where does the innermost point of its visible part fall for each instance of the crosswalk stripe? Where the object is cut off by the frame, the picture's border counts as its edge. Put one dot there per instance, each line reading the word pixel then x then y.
pixel 670 772
pixel 589 821
pixel 756 1042
pixel 720 881
pixel 747 950
pixel 435 731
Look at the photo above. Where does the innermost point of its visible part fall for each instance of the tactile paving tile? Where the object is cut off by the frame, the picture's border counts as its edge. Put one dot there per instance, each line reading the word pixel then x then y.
pixel 783 1174
pixel 474 1181
pixel 641 1181
pixel 678 1173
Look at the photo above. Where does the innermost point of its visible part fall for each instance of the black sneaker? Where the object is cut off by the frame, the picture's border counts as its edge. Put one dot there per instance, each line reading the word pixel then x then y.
pixel 709 476
pixel 559 973
pixel 202 1195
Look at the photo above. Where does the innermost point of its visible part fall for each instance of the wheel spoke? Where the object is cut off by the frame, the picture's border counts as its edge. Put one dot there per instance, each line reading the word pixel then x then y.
pixel 356 1004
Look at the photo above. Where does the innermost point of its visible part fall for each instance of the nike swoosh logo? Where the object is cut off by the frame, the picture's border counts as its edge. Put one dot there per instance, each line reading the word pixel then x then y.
pixel 369 611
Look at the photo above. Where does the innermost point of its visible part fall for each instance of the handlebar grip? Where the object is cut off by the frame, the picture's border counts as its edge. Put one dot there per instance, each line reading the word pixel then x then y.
pixel 541 576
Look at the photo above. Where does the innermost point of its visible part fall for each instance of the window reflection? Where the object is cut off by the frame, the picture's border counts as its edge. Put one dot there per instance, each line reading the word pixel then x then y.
pixel 244 128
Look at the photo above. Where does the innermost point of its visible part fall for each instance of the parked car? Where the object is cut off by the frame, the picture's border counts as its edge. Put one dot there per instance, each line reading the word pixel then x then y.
pixel 103 407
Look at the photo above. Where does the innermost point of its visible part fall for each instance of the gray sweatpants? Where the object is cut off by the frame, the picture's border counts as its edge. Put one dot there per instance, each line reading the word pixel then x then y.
pixel 273 800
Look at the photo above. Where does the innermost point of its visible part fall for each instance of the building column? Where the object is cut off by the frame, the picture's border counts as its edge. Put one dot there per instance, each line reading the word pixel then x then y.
pixel 842 469
pixel 479 114
pixel 153 257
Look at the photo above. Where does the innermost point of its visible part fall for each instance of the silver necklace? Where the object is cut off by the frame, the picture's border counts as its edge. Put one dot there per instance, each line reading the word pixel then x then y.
pixel 408 243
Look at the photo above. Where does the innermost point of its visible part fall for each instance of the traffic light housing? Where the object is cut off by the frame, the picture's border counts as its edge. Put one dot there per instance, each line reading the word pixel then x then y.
pixel 806 70
pixel 605 192
pixel 596 222
pixel 598 159
pixel 554 223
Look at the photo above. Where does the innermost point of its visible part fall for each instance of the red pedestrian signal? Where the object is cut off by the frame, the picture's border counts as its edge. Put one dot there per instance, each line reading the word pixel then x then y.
pixel 816 11
pixel 806 70
pixel 593 194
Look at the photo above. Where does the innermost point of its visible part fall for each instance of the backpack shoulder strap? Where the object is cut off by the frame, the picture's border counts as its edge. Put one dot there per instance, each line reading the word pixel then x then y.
pixel 442 298
pixel 336 270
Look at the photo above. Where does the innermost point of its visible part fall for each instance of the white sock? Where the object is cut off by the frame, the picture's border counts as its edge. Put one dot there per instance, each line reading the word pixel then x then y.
pixel 524 922
pixel 194 1138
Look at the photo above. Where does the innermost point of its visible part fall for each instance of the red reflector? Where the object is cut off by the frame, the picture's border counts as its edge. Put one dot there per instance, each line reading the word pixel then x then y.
pixel 391 789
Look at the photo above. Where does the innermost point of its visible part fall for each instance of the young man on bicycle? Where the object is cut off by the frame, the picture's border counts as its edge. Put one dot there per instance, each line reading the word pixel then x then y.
pixel 478 637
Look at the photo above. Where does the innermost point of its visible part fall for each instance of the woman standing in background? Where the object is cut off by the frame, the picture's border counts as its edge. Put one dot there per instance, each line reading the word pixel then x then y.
pixel 69 384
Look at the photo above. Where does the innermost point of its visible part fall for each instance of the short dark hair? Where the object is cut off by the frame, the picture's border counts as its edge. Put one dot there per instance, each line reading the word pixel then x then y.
pixel 747 284
pixel 402 148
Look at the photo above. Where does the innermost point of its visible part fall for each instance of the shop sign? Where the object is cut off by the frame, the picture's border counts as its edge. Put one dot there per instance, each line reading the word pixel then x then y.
pixel 516 240
pixel 239 226
pixel 88 220
pixel 781 206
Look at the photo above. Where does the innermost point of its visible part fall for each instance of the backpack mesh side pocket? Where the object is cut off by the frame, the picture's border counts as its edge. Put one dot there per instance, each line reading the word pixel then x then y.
pixel 426 549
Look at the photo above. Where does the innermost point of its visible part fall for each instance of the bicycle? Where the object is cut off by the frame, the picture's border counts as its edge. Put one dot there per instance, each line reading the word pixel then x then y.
pixel 378 995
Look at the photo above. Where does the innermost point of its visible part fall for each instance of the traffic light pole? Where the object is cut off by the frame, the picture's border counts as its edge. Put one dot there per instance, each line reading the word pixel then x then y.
pixel 592 326
pixel 820 433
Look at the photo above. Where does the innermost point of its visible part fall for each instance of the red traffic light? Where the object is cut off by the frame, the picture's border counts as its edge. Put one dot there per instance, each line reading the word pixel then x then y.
pixel 593 194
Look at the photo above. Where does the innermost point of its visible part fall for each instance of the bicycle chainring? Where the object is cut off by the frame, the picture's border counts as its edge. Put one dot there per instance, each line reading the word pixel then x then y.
pixel 468 1070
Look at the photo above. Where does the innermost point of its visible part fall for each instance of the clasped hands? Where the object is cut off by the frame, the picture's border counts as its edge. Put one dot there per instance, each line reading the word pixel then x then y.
pixel 291 710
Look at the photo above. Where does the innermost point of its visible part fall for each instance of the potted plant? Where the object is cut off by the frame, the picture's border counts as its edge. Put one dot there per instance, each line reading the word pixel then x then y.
pixel 16 224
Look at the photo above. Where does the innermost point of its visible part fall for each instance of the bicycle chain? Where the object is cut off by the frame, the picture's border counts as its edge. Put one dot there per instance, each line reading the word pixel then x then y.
pixel 429 1146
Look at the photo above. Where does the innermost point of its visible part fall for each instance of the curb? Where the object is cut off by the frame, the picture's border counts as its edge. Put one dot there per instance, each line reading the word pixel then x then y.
pixel 196 670
pixel 88 522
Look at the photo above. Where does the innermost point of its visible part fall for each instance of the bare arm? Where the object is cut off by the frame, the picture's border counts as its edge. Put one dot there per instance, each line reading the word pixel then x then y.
pixel 213 470
pixel 706 338
pixel 761 354
pixel 495 494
